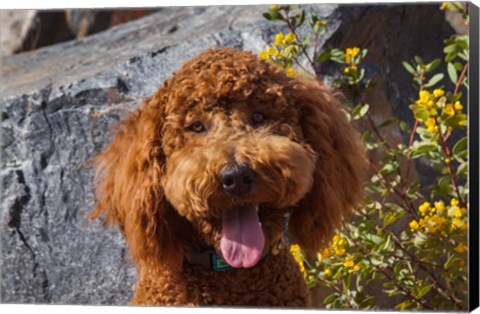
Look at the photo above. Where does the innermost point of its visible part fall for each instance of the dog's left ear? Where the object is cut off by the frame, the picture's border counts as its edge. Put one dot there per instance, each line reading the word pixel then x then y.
pixel 130 192
pixel 338 176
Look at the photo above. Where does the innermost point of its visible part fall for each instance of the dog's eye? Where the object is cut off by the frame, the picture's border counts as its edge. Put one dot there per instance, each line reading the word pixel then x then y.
pixel 196 127
pixel 258 118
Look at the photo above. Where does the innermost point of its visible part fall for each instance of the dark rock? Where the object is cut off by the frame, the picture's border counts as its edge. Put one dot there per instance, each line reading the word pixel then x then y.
pixel 59 104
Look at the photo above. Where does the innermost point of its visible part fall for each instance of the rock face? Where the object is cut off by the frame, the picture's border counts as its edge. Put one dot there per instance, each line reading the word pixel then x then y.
pixel 59 103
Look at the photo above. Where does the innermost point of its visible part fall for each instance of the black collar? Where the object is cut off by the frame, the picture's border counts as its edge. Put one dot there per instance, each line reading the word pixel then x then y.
pixel 208 259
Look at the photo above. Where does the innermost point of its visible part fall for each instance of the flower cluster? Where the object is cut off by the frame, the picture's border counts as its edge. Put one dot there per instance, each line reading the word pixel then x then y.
pixel 281 51
pixel 350 59
pixel 430 104
pixel 337 249
pixel 440 219
pixel 298 256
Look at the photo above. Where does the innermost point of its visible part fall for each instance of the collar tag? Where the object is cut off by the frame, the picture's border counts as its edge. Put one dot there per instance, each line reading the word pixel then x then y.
pixel 219 264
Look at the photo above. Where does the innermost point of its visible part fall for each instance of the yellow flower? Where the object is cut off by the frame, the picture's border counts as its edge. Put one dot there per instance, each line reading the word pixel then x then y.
pixel 461 248
pixel 438 93
pixel 432 228
pixel 439 221
pixel 440 207
pixel 423 96
pixel 297 255
pixel 355 51
pixel 354 269
pixel 278 39
pixel 413 225
pixel 328 272
pixel 457 223
pixel 340 251
pixel 338 240
pixel 455 211
pixel 324 254
pixel 323 23
pixel 346 70
pixel 274 7
pixel 351 52
pixel 445 6
pixel 264 55
pixel 430 104
pixel 290 71
pixel 424 208
pixel 454 202
pixel 290 38
pixel 458 106
pixel 458 212
pixel 430 123
pixel 353 67
pixel 449 111
pixel 272 51
pixel 462 122
pixel 348 262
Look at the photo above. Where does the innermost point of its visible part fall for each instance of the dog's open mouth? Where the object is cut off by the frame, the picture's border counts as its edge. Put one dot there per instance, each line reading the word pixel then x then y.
pixel 242 236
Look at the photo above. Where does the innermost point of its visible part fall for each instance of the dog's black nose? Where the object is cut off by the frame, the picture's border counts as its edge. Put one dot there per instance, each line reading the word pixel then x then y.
pixel 237 179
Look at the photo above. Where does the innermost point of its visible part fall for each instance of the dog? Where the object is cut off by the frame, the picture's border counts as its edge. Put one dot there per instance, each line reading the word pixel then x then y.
pixel 209 174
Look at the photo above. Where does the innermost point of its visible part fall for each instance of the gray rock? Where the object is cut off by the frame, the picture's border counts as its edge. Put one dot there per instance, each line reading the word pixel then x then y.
pixel 58 106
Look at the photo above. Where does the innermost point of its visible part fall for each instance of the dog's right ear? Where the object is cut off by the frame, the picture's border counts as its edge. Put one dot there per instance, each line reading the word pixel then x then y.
pixel 129 192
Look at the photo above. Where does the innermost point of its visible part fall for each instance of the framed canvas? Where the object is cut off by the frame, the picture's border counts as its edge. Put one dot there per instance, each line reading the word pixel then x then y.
pixel 284 156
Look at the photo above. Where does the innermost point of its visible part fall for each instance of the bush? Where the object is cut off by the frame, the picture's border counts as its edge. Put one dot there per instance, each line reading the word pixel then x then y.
pixel 426 262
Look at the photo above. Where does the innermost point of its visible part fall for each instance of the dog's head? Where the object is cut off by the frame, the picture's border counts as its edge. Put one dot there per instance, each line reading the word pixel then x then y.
pixel 220 154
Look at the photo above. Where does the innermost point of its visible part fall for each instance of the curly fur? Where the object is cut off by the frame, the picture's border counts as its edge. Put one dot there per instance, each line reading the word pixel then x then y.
pixel 158 180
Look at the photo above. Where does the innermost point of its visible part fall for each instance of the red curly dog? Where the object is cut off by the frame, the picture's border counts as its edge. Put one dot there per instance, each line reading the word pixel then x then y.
pixel 200 180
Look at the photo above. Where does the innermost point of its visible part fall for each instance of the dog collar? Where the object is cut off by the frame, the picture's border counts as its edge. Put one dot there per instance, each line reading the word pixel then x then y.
pixel 208 259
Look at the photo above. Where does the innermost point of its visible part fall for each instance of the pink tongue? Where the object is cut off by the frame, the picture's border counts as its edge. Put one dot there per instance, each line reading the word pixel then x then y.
pixel 242 237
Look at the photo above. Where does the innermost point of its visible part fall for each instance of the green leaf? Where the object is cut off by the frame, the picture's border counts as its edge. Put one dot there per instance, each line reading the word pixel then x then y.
pixel 273 16
pixel 421 291
pixel 433 65
pixel 391 217
pixel 426 147
pixel 330 299
pixel 388 168
pixel 453 121
pixel 460 145
pixel 366 136
pixel 450 262
pixel 387 122
pixel 325 55
pixel 302 18
pixel 404 305
pixel 409 68
pixel 363 53
pixel 359 111
pixel 374 238
pixel 420 113
pixel 452 73
pixel 434 80
pixel 462 169
pixel 419 61
pixel 451 48
pixel 404 126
